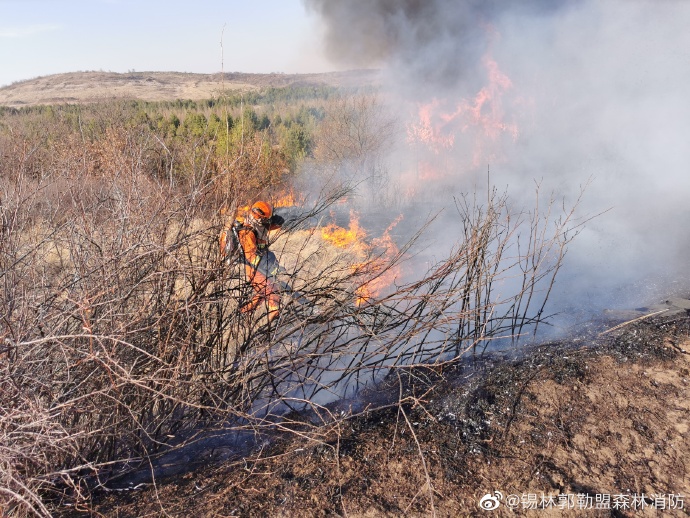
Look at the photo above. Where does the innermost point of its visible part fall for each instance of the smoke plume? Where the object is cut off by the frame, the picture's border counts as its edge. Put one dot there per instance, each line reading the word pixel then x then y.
pixel 574 90
pixel 438 42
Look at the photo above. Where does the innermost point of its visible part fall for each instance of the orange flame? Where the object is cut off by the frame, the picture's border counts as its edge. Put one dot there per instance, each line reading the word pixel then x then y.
pixel 426 171
pixel 378 270
pixel 486 111
pixel 344 238
pixel 483 116
pixel 381 271
pixel 425 131
pixel 288 199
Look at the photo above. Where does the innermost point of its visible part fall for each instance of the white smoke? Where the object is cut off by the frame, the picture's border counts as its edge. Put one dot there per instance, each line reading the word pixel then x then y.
pixel 597 91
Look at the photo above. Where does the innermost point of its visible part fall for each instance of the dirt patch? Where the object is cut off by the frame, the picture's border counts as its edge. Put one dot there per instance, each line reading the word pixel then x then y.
pixel 601 430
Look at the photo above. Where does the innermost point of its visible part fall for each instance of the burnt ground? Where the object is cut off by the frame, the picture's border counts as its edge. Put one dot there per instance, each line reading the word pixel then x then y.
pixel 595 428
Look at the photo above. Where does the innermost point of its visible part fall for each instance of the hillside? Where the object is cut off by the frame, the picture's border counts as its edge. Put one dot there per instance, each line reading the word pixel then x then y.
pixel 87 87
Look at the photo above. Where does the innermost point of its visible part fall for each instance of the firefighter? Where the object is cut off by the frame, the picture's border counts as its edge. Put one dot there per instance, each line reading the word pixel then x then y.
pixel 260 263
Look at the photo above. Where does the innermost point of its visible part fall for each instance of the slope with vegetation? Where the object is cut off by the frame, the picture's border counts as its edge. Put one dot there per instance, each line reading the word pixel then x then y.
pixel 121 339
pixel 93 86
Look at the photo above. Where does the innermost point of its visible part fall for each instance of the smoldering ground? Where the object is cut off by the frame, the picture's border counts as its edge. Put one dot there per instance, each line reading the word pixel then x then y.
pixel 587 91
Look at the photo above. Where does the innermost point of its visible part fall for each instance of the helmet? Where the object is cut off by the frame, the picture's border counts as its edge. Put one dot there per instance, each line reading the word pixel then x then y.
pixel 262 212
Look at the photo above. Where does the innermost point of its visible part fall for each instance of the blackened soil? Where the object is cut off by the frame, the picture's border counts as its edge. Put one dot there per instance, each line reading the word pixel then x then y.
pixel 560 429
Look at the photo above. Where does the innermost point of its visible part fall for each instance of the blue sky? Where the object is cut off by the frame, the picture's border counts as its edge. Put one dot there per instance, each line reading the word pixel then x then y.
pixel 42 37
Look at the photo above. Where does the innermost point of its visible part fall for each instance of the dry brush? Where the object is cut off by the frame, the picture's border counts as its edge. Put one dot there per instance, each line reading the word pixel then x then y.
pixel 120 335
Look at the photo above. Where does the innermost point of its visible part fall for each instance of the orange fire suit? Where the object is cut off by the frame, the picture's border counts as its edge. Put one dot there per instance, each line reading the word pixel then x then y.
pixel 260 265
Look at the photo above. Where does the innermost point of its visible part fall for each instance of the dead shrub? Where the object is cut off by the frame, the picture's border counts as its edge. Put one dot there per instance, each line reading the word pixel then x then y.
pixel 120 333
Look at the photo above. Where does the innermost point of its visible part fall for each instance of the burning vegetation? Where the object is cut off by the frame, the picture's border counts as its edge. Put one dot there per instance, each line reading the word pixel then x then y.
pixel 482 121
pixel 122 339
pixel 122 335
pixel 124 352
pixel 374 259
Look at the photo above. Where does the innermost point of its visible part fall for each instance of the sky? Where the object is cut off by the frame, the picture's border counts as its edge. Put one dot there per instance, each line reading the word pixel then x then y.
pixel 43 37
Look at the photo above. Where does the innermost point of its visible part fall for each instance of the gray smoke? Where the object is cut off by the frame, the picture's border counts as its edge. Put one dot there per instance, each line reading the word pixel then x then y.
pixel 430 41
pixel 597 90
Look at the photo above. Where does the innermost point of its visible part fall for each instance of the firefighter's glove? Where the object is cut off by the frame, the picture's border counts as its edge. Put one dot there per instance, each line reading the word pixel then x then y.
pixel 277 220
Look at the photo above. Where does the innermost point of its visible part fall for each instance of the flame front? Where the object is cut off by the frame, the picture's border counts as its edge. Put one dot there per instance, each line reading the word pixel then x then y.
pixel 288 199
pixel 483 118
pixel 429 132
pixel 345 238
pixel 380 271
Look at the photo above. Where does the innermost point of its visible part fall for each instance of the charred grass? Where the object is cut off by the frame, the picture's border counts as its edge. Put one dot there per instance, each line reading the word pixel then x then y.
pixel 608 418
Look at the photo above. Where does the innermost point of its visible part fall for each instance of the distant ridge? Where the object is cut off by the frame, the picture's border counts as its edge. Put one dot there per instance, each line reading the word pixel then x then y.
pixel 89 87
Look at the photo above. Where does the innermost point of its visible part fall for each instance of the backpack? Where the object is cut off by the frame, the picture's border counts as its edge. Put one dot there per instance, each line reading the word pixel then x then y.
pixel 229 242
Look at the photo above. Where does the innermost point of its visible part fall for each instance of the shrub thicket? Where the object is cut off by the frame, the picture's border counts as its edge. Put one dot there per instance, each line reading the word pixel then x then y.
pixel 120 335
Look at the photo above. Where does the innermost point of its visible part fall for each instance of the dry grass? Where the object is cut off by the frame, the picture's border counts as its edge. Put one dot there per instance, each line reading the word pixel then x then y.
pixel 120 335
pixel 89 87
